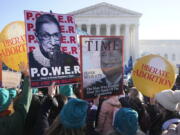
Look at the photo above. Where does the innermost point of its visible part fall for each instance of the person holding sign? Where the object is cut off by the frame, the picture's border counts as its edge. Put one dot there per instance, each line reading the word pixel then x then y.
pixel 47 58
pixel 13 112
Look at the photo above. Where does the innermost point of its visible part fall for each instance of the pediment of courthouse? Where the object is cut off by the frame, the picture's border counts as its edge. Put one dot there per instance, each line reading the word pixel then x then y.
pixel 105 19
pixel 105 9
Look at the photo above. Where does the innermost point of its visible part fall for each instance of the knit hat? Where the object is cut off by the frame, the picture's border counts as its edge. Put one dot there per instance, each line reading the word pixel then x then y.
pixel 126 121
pixel 169 99
pixel 66 90
pixel 73 114
pixel 6 97
pixel 167 123
pixel 12 92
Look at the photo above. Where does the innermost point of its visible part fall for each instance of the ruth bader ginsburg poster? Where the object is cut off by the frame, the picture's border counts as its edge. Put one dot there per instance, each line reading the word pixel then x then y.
pixel 53 51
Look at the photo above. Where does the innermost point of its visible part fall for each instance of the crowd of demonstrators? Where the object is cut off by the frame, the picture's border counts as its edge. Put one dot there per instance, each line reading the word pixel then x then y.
pixel 59 110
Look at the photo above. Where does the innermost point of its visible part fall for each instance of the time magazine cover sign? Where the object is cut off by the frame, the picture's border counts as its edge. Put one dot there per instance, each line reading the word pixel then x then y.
pixel 102 65
pixel 52 48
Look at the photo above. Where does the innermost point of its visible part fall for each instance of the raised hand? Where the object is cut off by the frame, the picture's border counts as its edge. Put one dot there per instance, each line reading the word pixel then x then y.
pixel 24 68
pixel 52 90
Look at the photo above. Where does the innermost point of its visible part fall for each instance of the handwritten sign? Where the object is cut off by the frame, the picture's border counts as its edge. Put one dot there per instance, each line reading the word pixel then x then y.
pixel 11 79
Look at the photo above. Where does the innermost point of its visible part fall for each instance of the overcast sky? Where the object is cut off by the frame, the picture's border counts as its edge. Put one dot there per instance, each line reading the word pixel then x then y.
pixel 160 19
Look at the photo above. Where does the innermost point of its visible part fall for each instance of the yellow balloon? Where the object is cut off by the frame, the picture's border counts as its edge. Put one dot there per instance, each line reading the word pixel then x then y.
pixel 152 74
pixel 13 45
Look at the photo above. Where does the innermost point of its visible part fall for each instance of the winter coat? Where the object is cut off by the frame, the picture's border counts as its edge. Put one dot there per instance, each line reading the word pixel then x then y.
pixel 106 114
pixel 91 120
pixel 13 124
pixel 157 119
pixel 42 121
pixel 32 116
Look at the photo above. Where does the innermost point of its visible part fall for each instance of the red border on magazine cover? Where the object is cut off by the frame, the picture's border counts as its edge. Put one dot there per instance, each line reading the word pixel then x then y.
pixel 83 56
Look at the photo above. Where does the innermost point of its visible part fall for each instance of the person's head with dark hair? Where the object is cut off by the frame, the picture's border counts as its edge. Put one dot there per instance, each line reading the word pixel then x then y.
pixel 77 90
pixel 135 94
pixel 111 58
pixel 124 101
pixel 43 91
pixel 55 110
pixel 48 34
pixel 45 18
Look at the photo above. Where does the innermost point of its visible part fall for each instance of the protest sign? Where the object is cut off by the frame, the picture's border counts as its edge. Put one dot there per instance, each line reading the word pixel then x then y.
pixel 102 65
pixel 53 51
pixel 152 74
pixel 13 45
pixel 11 79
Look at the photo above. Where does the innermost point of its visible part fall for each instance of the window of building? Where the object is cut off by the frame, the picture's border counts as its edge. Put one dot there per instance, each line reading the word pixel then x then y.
pixel 84 27
pixel 173 57
pixel 166 56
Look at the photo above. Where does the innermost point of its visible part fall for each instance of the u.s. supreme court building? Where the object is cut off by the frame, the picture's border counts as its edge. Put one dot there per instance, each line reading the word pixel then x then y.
pixel 112 20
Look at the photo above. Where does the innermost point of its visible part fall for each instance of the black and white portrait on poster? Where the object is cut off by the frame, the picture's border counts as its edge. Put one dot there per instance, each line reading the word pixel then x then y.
pixel 102 65
pixel 52 48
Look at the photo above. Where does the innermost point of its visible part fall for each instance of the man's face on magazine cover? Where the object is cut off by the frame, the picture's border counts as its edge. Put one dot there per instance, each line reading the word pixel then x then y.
pixel 111 58
pixel 49 38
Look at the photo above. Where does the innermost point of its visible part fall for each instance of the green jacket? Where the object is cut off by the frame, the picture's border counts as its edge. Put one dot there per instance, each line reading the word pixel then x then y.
pixel 13 124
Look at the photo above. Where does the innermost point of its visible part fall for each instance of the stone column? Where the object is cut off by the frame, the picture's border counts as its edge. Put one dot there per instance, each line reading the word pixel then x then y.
pixel 97 29
pixel 136 41
pixel 126 44
pixel 108 28
pixel 88 29
pixel 118 26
